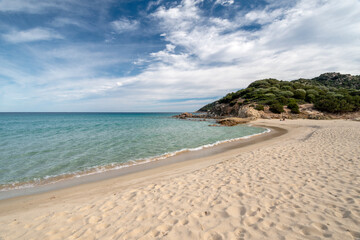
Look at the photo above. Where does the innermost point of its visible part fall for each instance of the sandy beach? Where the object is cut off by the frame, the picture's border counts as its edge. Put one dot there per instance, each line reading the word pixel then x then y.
pixel 304 184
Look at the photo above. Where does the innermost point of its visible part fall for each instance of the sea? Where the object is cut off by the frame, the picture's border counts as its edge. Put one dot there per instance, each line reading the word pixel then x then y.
pixel 39 148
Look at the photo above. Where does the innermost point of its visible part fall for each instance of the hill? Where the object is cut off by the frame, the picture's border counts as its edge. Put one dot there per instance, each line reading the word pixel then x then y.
pixel 333 93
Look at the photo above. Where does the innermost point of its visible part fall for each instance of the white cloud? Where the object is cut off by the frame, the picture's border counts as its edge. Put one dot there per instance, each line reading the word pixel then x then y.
pixel 153 4
pixel 125 25
pixel 264 16
pixel 31 35
pixel 298 38
pixel 224 2
pixel 303 41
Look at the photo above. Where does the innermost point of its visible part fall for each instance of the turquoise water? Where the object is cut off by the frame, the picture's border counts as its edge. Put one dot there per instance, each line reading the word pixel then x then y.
pixel 38 146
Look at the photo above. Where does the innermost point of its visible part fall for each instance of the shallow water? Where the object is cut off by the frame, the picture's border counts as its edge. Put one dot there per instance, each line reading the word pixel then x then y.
pixel 39 146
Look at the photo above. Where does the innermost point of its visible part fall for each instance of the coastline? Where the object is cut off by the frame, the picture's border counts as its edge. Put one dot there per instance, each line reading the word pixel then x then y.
pixel 259 188
pixel 117 169
pixel 173 158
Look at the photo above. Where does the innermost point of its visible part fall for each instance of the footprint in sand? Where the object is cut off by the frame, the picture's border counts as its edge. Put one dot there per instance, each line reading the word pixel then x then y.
pixel 320 226
pixel 163 230
pixel 212 236
pixel 254 211
pixel 305 230
pixel 154 233
pixel 240 233
pixel 235 211
pixel 252 220
pixel 184 221
pixel 350 200
pixel 346 214
pixel 164 214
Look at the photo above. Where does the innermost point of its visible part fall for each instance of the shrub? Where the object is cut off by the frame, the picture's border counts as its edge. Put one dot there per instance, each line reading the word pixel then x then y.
pixel 293 107
pixel 286 87
pixel 260 90
pixel 269 96
pixel 260 84
pixel 259 107
pixel 312 91
pixel 233 102
pixel 287 94
pixel 310 98
pixel 333 105
pixel 282 100
pixel 228 98
pixel 300 94
pixel 269 102
pixel 276 108
pixel 272 89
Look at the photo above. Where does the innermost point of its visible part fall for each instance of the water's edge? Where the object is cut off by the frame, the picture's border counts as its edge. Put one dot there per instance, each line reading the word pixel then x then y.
pixel 114 166
pixel 106 172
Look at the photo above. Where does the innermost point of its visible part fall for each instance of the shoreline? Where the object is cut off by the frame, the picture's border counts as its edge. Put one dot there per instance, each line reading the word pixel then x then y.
pixel 112 170
pixel 182 156
pixel 303 184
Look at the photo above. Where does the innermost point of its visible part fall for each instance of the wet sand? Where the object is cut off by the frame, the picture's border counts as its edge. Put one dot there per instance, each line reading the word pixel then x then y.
pixel 304 184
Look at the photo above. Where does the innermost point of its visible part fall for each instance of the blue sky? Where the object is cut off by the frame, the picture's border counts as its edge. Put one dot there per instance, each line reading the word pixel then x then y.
pixel 133 55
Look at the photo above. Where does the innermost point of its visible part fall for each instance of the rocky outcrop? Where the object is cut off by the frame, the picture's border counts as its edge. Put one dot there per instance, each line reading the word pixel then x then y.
pixel 184 115
pixel 334 79
pixel 285 96
pixel 233 121
pixel 248 112
pixel 221 109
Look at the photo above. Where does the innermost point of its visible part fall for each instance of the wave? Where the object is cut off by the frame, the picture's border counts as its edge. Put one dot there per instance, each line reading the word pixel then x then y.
pixel 113 166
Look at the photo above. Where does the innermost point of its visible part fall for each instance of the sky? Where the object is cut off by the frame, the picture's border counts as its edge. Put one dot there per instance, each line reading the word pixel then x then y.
pixel 155 56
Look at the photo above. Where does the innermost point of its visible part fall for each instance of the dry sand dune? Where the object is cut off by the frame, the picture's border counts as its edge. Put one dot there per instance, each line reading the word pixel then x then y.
pixel 303 185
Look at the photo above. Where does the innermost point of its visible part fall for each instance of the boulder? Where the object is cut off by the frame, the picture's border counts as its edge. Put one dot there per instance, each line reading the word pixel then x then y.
pixel 248 112
pixel 233 121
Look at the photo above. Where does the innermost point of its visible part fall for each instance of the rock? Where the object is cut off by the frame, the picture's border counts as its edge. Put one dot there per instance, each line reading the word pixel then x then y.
pixel 184 115
pixel 248 112
pixel 265 116
pixel 233 121
pixel 221 109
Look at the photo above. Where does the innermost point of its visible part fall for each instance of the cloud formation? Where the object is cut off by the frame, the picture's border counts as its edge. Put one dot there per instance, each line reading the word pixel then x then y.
pixel 31 35
pixel 124 25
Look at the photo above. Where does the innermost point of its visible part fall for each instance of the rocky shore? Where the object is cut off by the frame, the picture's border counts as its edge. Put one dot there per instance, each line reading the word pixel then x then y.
pixel 226 115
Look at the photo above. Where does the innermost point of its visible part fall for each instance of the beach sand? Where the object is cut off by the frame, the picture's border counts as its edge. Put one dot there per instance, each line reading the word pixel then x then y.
pixel 304 184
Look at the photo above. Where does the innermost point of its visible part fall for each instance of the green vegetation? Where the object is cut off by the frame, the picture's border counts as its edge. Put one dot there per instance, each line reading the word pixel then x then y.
pixel 207 107
pixel 293 106
pixel 276 108
pixel 259 107
pixel 330 92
